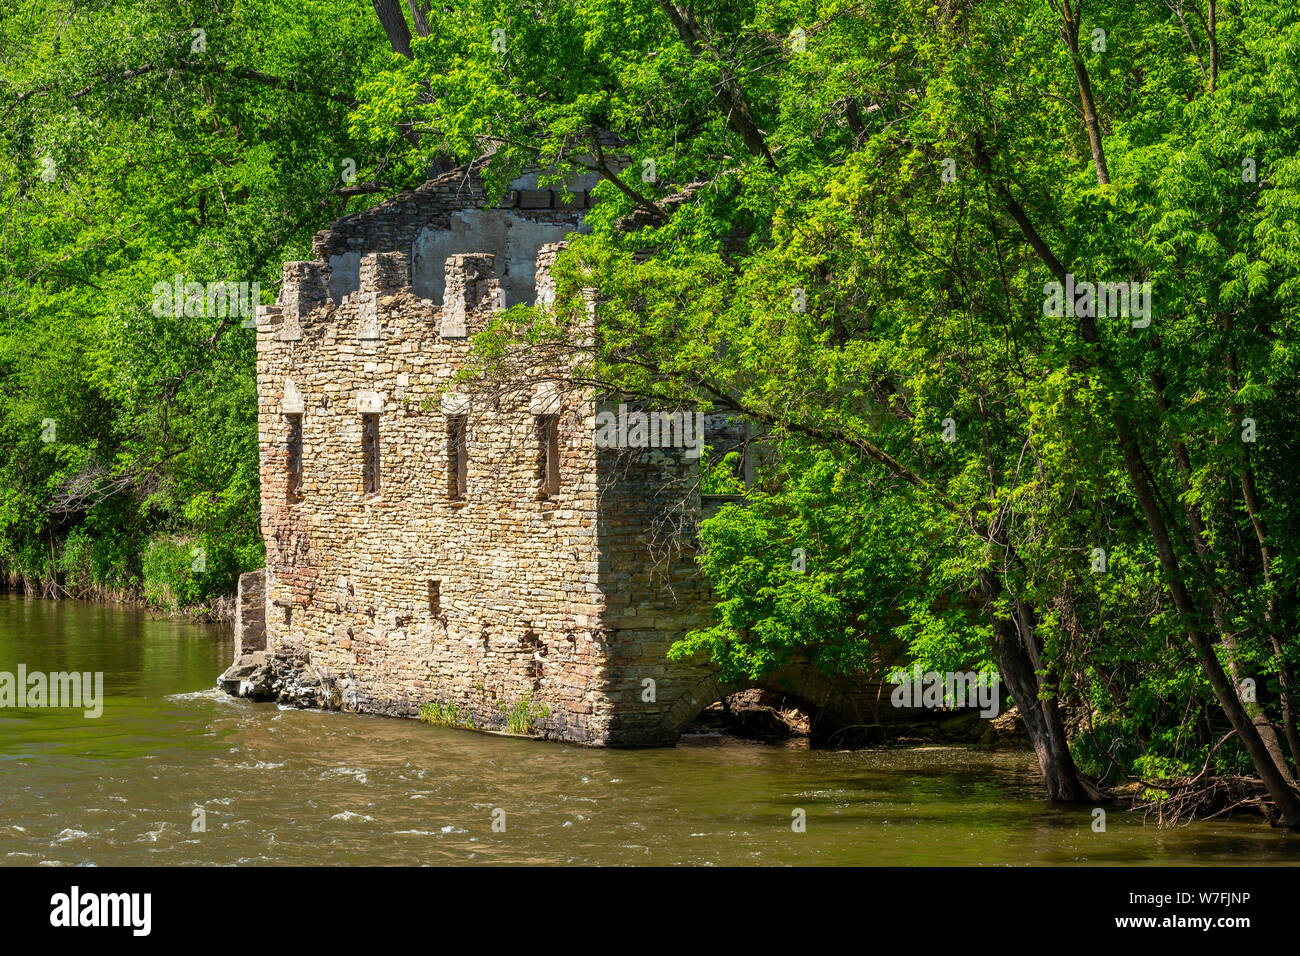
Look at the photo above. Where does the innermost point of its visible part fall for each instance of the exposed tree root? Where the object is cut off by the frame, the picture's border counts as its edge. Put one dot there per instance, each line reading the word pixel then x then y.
pixel 1181 802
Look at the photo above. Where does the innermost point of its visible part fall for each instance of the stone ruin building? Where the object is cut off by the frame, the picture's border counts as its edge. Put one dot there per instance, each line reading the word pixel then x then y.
pixel 426 544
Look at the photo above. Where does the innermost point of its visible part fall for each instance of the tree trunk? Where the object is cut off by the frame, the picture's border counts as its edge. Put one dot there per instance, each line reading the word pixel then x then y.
pixel 1250 496
pixel 735 107
pixel 1070 30
pixel 1212 30
pixel 1284 797
pixel 419 16
pixel 1042 717
pixel 1200 542
pixel 394 24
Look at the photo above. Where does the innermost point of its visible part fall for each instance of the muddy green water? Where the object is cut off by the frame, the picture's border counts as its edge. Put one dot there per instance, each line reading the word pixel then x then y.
pixel 282 786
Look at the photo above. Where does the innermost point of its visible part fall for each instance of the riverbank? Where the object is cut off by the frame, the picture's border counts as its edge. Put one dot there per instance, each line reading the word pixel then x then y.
pixel 219 610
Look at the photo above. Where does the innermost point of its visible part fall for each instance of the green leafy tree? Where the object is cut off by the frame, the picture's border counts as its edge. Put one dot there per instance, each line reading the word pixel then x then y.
pixel 854 218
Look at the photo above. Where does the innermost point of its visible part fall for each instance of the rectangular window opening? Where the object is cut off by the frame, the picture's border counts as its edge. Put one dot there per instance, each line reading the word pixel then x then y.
pixel 435 597
pixel 370 454
pixel 457 456
pixel 548 456
pixel 294 462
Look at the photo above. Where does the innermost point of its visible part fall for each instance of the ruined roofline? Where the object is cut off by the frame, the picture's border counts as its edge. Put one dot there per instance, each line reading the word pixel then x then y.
pixel 393 223
pixel 466 180
pixel 472 286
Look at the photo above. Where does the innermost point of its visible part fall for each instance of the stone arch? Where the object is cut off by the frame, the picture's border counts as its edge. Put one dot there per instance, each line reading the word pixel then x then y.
pixel 832 708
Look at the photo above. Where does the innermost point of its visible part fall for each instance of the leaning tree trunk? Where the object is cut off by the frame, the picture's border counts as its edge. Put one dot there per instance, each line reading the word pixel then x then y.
pixel 1254 508
pixel 1279 788
pixel 1013 650
pixel 1070 32
pixel 1218 599
pixel 731 97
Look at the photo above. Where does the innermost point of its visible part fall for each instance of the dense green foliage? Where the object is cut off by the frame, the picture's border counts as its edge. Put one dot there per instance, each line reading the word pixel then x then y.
pixel 949 455
pixel 133 149
pixel 837 217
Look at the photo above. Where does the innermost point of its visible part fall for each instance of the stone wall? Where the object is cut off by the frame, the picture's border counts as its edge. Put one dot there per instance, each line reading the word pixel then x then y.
pixel 384 601
pixel 250 614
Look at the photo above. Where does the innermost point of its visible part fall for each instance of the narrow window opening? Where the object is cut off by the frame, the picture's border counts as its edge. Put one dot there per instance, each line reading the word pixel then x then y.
pixel 548 456
pixel 457 456
pixel 370 454
pixel 294 463
pixel 435 597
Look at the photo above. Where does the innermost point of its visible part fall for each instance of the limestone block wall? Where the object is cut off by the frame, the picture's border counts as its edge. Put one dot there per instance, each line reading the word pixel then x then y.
pixel 652 593
pixel 402 594
pixel 250 614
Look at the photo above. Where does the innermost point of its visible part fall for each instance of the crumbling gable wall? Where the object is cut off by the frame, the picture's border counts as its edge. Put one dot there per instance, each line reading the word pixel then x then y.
pixel 452 214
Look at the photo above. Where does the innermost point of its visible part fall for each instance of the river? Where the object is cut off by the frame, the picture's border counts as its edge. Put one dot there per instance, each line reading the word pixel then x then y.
pixel 295 787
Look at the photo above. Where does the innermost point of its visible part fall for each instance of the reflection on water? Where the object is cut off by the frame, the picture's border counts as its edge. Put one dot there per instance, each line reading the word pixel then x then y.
pixel 297 787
